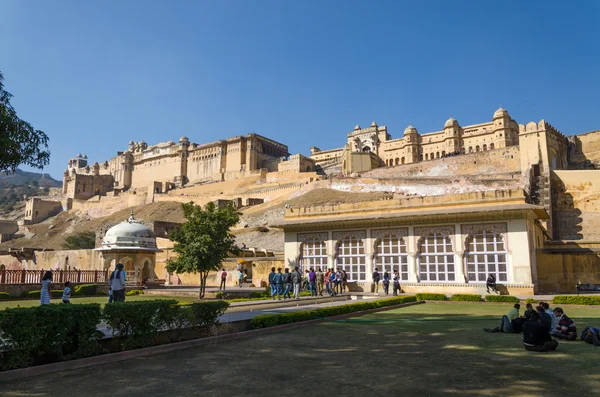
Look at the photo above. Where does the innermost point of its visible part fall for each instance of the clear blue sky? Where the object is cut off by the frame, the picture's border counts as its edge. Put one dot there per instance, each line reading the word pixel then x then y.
pixel 96 74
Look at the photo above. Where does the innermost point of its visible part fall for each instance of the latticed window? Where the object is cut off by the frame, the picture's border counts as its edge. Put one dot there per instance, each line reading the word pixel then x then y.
pixel 351 258
pixel 314 254
pixel 486 254
pixel 436 258
pixel 390 255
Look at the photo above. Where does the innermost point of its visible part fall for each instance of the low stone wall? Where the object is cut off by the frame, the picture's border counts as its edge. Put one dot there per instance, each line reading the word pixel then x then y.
pixel 452 289
pixel 559 272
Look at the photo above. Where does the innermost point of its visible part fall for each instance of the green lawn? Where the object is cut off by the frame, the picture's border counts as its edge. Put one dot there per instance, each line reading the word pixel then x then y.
pixel 95 299
pixel 434 349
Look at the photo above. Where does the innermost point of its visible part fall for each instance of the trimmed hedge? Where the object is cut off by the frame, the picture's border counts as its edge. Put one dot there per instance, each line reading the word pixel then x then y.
pixel 466 298
pixel 85 289
pixel 134 292
pixel 576 300
pixel 502 298
pixel 48 332
pixel 4 295
pixel 427 296
pixel 137 323
pixel 55 293
pixel 271 320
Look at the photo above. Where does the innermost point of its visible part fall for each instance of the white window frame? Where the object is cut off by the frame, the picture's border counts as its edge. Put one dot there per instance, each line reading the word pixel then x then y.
pixel 313 253
pixel 386 260
pixel 350 256
pixel 431 255
pixel 482 254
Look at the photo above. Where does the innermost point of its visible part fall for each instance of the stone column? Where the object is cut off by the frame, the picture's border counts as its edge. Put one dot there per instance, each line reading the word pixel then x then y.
pixel 331 261
pixel 413 270
pixel 459 267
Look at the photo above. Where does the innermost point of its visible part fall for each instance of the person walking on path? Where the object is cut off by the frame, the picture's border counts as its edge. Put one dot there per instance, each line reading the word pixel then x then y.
pixel 320 281
pixel 117 283
pixel 338 282
pixel 312 282
pixel 296 281
pixel 278 279
pixel 45 292
pixel 66 296
pixel 272 283
pixel 223 279
pixel 376 278
pixel 240 278
pixel 396 280
pixel 287 282
pixel 386 283
pixel 345 281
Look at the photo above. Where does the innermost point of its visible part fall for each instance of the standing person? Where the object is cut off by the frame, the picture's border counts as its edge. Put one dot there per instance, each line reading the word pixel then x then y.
pixel 320 281
pixel 223 279
pixel 338 282
pixel 312 282
pixel 278 279
pixel 326 280
pixel 396 280
pixel 296 280
pixel 344 281
pixel 287 282
pixel 45 292
pixel 272 283
pixel 491 283
pixel 117 283
pixel 376 280
pixel 66 297
pixel 566 328
pixel 332 282
pixel 240 278
pixel 386 283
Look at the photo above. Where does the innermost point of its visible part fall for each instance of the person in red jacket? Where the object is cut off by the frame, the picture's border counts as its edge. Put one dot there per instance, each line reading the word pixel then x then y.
pixel 566 328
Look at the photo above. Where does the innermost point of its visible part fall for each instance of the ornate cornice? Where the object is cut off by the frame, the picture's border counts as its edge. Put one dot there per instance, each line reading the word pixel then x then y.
pixel 499 228
pixel 359 234
pixel 448 231
pixel 380 233
pixel 322 236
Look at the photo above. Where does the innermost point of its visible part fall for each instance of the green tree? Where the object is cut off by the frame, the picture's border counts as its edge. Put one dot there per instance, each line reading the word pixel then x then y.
pixel 20 143
pixel 204 240
pixel 80 241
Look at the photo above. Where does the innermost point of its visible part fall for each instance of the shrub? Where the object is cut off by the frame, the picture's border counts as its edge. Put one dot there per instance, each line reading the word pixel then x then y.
pixel 576 300
pixel 85 289
pixel 271 320
pixel 134 292
pixel 466 298
pixel 221 295
pixel 425 296
pixel 253 295
pixel 4 295
pixel 502 298
pixel 206 314
pixel 532 301
pixel 51 332
pixel 55 293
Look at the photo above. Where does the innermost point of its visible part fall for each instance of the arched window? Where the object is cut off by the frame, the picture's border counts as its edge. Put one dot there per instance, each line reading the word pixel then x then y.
pixel 313 253
pixel 436 258
pixel 390 255
pixel 350 256
pixel 477 148
pixel 437 155
pixel 486 254
pixel 470 149
pixel 443 153
pixel 426 156
pixel 420 157
pixel 484 147
pixel 402 160
pixel 491 146
pixel 397 161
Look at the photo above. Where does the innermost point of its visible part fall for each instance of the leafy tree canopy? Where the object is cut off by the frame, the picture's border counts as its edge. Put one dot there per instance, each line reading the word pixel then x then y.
pixel 20 143
pixel 204 240
pixel 80 241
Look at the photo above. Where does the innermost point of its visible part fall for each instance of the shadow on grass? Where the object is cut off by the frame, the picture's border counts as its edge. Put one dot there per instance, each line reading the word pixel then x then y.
pixel 389 353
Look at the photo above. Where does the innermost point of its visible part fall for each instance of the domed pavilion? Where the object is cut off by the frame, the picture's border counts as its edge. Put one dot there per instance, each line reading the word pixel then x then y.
pixel 134 245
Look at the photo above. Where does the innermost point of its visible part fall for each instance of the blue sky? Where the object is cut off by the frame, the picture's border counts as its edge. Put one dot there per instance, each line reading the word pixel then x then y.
pixel 96 74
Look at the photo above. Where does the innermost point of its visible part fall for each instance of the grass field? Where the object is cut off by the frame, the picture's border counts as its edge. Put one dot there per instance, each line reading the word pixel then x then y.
pixel 95 299
pixel 435 349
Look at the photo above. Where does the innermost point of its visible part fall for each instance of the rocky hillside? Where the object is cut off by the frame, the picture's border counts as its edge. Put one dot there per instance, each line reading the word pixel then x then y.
pixel 14 186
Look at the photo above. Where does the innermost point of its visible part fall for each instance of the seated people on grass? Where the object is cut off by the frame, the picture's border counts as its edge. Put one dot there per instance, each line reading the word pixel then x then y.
pixel 591 335
pixel 550 312
pixel 506 322
pixel 545 318
pixel 566 328
pixel 528 311
pixel 535 336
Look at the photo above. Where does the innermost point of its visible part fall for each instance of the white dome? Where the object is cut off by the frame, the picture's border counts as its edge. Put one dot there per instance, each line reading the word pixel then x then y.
pixel 450 122
pixel 410 129
pixel 501 112
pixel 129 234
